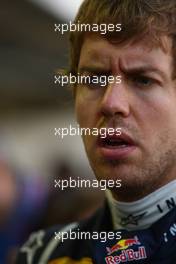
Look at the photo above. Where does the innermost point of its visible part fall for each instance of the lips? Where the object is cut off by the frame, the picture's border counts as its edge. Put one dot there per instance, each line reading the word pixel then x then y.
pixel 115 141
pixel 116 146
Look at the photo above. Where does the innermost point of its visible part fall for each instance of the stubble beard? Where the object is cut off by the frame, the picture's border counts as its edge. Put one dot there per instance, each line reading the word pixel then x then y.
pixel 142 178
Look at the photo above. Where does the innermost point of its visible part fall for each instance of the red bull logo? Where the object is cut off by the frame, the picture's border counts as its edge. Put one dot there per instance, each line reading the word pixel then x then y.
pixel 126 254
pixel 123 244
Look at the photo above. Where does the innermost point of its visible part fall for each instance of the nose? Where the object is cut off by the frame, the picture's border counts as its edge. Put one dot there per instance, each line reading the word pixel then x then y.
pixel 116 101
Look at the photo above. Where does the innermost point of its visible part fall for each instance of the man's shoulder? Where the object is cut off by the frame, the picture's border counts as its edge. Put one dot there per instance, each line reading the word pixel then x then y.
pixel 55 242
pixel 42 244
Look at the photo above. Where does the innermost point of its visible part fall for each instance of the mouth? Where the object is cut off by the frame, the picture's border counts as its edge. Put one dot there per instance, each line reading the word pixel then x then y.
pixel 115 143
pixel 115 147
pixel 121 141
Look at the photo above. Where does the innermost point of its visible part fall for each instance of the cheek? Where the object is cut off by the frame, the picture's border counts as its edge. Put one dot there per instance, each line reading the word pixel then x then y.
pixel 85 112
pixel 159 114
pixel 79 110
pixel 80 114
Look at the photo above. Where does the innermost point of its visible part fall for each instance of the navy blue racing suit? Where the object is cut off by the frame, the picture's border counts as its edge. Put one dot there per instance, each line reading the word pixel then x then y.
pixel 155 245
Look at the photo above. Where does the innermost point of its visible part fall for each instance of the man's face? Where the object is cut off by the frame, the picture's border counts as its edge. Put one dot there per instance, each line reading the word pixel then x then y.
pixel 143 105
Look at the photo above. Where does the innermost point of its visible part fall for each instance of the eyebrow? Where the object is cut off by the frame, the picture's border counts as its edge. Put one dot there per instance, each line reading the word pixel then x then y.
pixel 143 70
pixel 129 71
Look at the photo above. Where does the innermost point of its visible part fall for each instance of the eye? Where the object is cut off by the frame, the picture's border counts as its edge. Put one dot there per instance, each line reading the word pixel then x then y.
pixel 144 81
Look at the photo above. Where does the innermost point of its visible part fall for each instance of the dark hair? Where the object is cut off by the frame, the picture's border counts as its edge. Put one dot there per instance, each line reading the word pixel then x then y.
pixel 139 18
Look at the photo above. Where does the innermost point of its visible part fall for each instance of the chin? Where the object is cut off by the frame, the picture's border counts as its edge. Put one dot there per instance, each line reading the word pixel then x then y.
pixel 120 172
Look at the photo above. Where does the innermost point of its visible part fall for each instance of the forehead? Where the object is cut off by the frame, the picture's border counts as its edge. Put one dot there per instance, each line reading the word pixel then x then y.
pixel 98 50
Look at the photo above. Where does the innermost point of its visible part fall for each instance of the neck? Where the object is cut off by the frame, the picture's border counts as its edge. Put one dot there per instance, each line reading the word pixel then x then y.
pixel 142 213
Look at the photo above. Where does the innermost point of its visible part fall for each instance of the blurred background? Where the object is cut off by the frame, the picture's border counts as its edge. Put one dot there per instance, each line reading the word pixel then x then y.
pixel 31 106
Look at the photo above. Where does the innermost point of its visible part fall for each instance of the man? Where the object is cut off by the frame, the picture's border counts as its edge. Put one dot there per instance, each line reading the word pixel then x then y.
pixel 143 157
